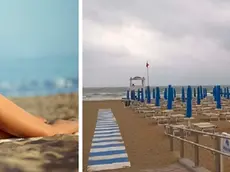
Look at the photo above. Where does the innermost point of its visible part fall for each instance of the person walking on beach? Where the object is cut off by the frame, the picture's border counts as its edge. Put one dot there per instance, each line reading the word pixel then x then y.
pixel 16 122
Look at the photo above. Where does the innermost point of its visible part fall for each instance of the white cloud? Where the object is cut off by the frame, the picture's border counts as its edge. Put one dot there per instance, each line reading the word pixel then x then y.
pixel 185 41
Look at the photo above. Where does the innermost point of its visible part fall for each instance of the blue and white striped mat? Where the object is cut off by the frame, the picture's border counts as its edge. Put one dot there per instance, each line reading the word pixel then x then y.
pixel 108 150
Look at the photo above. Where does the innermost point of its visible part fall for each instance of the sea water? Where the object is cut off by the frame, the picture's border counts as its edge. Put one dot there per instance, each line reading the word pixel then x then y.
pixel 21 77
pixel 117 93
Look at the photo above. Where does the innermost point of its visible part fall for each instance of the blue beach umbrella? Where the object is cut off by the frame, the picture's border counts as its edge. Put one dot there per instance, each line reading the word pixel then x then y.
pixel 170 96
pixel 182 95
pixel 174 92
pixel 218 97
pixel 142 95
pixel 194 92
pixel 154 94
pixel 198 96
pixel 157 102
pixel 189 103
pixel 214 93
pixel 127 95
pixel 227 90
pixel 165 94
pixel 226 93
pixel 148 95
pixel 146 92
pixel 221 91
pixel 204 93
pixel 201 93
pixel 132 94
pixel 138 95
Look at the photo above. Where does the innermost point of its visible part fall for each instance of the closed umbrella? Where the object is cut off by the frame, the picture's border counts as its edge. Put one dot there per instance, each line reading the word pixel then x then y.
pixel 198 95
pixel 194 92
pixel 138 95
pixel 127 95
pixel 218 97
pixel 227 90
pixel 154 94
pixel 174 92
pixel 170 96
pixel 165 94
pixel 157 102
pixel 142 95
pixel 148 95
pixel 182 95
pixel 189 103
pixel 201 93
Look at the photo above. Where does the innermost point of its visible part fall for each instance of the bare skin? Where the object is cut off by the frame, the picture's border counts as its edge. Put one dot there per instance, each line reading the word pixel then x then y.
pixel 15 122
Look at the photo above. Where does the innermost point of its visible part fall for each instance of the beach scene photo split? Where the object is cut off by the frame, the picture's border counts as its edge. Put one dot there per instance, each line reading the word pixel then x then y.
pixel 39 86
pixel 156 86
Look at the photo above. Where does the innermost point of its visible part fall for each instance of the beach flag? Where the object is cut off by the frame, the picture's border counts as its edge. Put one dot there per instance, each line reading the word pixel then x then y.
pixel 147 64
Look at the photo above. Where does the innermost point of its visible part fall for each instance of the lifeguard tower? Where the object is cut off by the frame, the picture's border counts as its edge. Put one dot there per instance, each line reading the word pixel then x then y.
pixel 136 83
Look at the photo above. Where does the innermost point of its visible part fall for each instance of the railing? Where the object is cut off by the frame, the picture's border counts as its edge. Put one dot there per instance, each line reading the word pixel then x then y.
pixel 217 151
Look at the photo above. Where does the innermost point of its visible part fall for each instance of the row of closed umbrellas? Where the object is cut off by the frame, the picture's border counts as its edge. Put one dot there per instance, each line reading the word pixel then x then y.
pixel 170 94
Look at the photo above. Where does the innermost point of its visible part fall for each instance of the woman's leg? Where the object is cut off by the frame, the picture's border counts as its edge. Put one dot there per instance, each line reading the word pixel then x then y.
pixel 58 123
pixel 4 135
pixel 15 121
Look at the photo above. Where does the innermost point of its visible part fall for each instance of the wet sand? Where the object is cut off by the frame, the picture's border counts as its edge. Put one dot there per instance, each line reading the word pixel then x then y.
pixel 57 153
pixel 146 145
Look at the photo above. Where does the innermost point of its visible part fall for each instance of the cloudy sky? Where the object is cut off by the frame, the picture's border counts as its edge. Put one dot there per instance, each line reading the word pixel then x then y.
pixel 185 41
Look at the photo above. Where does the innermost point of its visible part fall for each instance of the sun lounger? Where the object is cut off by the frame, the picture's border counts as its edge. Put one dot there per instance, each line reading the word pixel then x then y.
pixel 225 115
pixel 176 129
pixel 177 117
pixel 204 126
pixel 161 119
pixel 212 116
pixel 166 112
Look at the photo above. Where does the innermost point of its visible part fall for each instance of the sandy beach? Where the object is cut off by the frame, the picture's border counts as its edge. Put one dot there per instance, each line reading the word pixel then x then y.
pixel 57 153
pixel 146 144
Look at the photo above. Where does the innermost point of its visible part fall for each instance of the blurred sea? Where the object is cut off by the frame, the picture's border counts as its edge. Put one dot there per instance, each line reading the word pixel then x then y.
pixel 39 88
pixel 38 76
pixel 117 93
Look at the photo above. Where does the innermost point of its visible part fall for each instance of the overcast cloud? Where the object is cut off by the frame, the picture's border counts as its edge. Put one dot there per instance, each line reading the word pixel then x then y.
pixel 185 41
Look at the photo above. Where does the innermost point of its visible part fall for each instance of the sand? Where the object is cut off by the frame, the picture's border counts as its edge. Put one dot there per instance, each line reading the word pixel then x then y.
pixel 61 106
pixel 57 153
pixel 146 144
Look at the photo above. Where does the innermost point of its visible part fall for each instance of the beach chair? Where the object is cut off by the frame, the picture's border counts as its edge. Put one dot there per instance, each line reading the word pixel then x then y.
pixel 161 119
pixel 176 118
pixel 225 115
pixel 152 113
pixel 204 126
pixel 176 129
pixel 211 116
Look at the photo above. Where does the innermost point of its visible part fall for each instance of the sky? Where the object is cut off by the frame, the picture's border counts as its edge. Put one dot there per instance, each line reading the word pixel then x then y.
pixel 186 42
pixel 38 39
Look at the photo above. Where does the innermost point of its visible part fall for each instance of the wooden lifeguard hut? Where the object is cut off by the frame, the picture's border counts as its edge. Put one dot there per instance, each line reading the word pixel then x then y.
pixel 135 86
